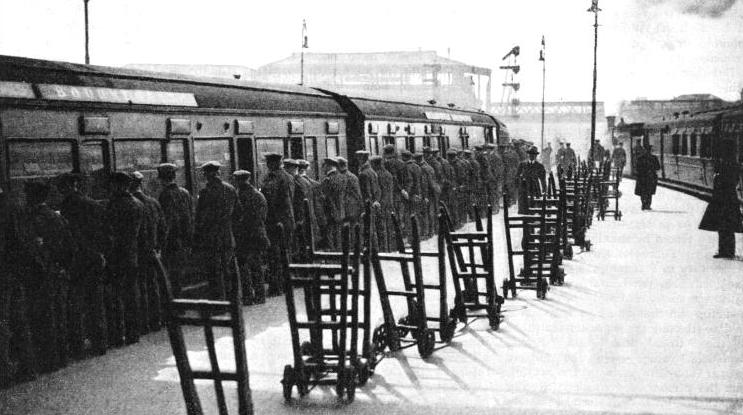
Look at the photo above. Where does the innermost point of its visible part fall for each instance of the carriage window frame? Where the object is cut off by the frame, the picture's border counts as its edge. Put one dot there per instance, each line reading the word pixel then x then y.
pixel 693 141
pixel 675 144
pixel 334 139
pixel 45 173
pixel 225 172
pixel 684 144
pixel 181 176
pixel 260 160
pixel 705 145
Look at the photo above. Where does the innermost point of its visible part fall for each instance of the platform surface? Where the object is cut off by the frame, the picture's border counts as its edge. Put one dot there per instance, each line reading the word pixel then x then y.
pixel 648 322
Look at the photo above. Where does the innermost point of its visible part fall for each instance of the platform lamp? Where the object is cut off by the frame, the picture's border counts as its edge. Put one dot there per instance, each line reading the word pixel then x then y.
pixel 595 10
pixel 87 38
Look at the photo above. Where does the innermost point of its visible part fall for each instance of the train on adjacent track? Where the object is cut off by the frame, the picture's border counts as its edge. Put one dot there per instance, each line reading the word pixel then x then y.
pixel 58 117
pixel 688 146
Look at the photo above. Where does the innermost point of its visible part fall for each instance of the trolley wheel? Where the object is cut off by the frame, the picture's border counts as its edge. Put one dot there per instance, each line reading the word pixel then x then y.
pixel 447 333
pixel 306 348
pixel 569 251
pixel 459 312
pixel 288 382
pixel 587 245
pixel 403 331
pixel 350 383
pixel 426 343
pixel 560 276
pixel 494 317
pixel 542 289
pixel 379 339
pixel 364 371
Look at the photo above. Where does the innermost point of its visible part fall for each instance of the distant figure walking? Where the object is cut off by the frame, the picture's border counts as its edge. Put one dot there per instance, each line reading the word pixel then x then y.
pixel 547 157
pixel 647 178
pixel 723 212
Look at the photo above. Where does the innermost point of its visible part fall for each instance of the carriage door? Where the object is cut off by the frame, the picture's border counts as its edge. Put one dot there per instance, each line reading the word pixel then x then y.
pixel 310 154
pixel 296 148
pixel 244 130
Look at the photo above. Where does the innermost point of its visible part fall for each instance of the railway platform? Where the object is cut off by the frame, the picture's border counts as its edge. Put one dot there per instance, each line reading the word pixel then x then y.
pixel 647 322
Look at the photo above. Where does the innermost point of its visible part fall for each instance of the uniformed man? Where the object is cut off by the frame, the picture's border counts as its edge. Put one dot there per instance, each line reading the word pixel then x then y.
pixel 368 180
pixel 382 216
pixel 619 158
pixel 458 195
pixel 125 215
pixel 311 189
pixel 511 162
pixel 430 191
pixel 177 207
pixel 416 183
pixel 152 235
pixel 402 184
pixel 547 157
pixel 562 167
pixel 86 219
pixel 332 188
pixel 448 181
pixel 46 254
pixel 532 172
pixel 596 155
pixel 291 167
pixel 498 172
pixel 474 183
pixel 570 160
pixel 251 238
pixel 277 187
pixel 429 155
pixel 213 232
pixel 486 179
pixel 352 199
pixel 17 357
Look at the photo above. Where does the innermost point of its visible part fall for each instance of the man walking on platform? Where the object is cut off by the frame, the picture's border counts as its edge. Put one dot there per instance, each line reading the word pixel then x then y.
pixel 498 173
pixel 332 188
pixel 151 237
pixel 570 161
pixel 619 158
pixel 533 174
pixel 177 207
pixel 125 215
pixel 251 240
pixel 213 234
pixel 277 189
pixel 647 178
pixel 86 219
pixel 547 157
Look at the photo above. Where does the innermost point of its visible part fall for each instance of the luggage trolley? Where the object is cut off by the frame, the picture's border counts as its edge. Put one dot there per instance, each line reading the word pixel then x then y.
pixel 207 314
pixel 391 334
pixel 326 358
pixel 366 362
pixel 531 276
pixel 610 191
pixel 549 207
pixel 471 261
pixel 444 324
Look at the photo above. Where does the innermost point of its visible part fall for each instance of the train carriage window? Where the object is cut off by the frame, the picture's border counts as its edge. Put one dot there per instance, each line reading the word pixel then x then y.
pixel 400 143
pixel 704 146
pixel 374 145
pixel 684 145
pixel 39 158
pixel 410 145
pixel 296 150
pixel 93 167
pixel 693 145
pixel 676 144
pixel 388 140
pixel 263 146
pixel 310 152
pixel 331 146
pixel 143 156
pixel 175 152
pixel 213 150
pixel 427 141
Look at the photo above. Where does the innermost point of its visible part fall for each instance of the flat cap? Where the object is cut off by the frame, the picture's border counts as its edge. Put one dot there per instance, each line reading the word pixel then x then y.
pixel 120 177
pixel 273 156
pixel 478 147
pixel 137 177
pixel 167 167
pixel 406 154
pixel 341 161
pixel 418 156
pixel 388 149
pixel 211 165
pixel 330 162
pixel 451 152
pixel 241 174
pixel 291 163
pixel 375 159
pixel 489 145
pixel 303 164
pixel 467 152
pixel 426 150
pixel 362 153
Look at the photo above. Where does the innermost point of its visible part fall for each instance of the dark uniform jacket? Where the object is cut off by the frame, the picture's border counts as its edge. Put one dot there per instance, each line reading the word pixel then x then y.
pixel 300 193
pixel 532 171
pixel 214 209
pixel 569 158
pixel 369 183
pixel 154 229
pixel 647 178
pixel 86 219
pixel 250 221
pixel 723 211
pixel 125 215
pixel 177 208
pixel 431 189
pixel 386 187
pixel 332 189
pixel 352 196
pixel 416 179
pixel 400 173
pixel 277 189
pixel 619 157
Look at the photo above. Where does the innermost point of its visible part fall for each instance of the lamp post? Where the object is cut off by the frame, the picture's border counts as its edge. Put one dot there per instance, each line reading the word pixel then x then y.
pixel 87 54
pixel 543 58
pixel 595 10
pixel 304 46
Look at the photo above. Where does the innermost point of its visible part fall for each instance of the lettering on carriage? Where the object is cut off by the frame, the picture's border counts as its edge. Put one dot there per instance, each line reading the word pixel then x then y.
pixel 16 90
pixel 432 115
pixel 115 95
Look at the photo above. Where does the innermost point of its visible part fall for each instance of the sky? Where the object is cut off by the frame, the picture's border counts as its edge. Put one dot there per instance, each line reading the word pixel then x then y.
pixel 656 49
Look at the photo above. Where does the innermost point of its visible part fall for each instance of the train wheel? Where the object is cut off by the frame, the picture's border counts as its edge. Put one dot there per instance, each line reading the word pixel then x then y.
pixel 288 382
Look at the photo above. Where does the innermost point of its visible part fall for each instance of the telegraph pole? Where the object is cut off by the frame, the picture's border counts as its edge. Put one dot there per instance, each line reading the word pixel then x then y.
pixel 595 10
pixel 87 37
